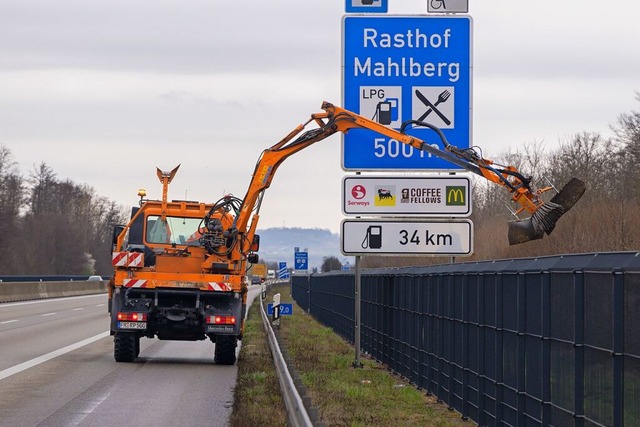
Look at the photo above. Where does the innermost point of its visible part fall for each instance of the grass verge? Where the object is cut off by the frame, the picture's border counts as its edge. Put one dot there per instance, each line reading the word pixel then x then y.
pixel 257 398
pixel 344 395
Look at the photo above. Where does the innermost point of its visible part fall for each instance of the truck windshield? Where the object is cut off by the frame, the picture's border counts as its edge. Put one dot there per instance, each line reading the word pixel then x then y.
pixel 181 231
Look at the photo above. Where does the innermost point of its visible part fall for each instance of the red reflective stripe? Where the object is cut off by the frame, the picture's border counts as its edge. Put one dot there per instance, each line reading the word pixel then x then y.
pixel 134 283
pixel 135 259
pixel 119 259
pixel 219 286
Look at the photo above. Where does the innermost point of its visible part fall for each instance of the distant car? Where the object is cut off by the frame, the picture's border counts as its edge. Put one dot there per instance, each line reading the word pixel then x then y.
pixel 256 280
pixel 94 278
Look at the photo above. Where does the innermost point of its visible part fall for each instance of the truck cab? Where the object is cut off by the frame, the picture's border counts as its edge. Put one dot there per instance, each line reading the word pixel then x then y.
pixel 177 277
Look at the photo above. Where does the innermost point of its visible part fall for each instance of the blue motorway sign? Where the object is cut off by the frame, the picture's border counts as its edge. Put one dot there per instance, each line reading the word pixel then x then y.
pixel 283 272
pixel 285 309
pixel 366 6
pixel 301 260
pixel 399 68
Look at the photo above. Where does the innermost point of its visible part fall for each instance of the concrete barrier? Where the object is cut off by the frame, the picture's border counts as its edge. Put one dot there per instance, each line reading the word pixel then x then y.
pixel 22 291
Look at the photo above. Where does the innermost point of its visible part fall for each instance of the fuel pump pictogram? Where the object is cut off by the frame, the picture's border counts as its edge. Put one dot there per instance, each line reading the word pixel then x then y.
pixel 386 111
pixel 381 104
pixel 373 238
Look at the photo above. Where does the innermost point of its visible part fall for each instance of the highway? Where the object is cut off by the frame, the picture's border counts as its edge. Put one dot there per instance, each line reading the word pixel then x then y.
pixel 57 369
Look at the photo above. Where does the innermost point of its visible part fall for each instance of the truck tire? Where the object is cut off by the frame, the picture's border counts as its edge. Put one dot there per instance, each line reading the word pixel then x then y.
pixel 225 351
pixel 125 346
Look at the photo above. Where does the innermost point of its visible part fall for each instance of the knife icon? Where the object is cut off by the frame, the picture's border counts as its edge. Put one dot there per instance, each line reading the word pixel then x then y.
pixel 429 104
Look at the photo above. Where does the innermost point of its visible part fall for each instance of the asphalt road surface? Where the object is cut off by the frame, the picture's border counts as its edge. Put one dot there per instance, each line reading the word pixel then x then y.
pixel 57 369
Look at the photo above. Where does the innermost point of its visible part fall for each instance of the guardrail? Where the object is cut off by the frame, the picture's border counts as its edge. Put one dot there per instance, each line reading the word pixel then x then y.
pixel 297 413
pixel 22 291
pixel 538 341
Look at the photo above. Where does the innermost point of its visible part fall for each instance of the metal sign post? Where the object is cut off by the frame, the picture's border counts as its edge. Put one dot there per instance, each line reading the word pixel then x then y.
pixel 357 363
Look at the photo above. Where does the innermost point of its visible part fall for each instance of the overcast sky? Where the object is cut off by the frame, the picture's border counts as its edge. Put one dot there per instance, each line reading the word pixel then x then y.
pixel 103 91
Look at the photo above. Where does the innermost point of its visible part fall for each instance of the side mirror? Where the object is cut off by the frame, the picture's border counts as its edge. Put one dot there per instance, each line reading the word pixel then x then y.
pixel 255 245
pixel 116 232
pixel 252 258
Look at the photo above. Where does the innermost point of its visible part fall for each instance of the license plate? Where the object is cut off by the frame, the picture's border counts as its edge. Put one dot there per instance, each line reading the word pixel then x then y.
pixel 132 325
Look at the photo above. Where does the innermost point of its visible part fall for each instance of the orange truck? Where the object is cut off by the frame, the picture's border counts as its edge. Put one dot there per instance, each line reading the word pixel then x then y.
pixel 180 267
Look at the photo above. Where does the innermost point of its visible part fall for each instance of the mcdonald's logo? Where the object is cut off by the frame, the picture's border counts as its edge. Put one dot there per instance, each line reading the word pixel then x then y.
pixel 456 196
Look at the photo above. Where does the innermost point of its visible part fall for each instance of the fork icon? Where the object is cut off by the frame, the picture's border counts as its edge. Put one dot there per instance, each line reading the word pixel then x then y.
pixel 444 95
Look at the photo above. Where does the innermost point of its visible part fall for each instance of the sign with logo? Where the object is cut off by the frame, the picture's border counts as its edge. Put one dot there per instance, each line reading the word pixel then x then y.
pixel 301 260
pixel 407 237
pixel 366 6
pixel 423 196
pixel 448 6
pixel 400 68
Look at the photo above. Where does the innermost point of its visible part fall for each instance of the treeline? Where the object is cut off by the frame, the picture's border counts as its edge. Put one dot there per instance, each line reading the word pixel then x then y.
pixel 49 226
pixel 607 218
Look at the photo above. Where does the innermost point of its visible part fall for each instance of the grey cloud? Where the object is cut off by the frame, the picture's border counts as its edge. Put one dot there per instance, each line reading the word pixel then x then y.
pixel 165 36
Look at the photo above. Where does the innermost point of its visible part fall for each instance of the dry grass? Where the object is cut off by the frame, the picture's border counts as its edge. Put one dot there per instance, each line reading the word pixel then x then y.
pixel 344 395
pixel 257 399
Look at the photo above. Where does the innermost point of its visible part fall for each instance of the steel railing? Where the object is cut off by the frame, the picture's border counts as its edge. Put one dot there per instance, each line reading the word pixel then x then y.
pixel 539 341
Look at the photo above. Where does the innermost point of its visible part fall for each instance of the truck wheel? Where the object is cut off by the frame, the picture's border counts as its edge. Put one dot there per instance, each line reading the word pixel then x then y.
pixel 124 346
pixel 225 352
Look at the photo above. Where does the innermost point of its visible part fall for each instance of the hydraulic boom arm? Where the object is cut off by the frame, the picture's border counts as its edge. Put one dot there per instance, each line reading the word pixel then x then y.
pixel 544 215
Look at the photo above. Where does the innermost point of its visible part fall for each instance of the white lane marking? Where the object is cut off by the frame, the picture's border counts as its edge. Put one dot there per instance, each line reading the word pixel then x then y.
pixel 44 358
pixel 100 305
pixel 40 301
pixel 78 309
pixel 48 314
pixel 8 321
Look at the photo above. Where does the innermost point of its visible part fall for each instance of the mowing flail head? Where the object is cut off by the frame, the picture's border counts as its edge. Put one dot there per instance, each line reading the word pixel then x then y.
pixel 544 219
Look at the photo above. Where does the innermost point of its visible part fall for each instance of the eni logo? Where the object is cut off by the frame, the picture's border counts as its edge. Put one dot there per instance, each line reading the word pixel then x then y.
pixel 456 196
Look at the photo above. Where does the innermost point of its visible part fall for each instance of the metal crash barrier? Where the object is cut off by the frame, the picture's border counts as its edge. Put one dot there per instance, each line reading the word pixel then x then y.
pixel 15 290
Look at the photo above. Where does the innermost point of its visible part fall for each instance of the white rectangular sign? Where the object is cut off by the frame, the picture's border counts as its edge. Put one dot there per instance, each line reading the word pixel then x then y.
pixel 448 6
pixel 417 196
pixel 407 237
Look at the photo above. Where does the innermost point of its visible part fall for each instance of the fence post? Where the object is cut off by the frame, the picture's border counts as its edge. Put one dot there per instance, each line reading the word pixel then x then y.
pixel 465 346
pixel 521 346
pixel 618 348
pixel 546 348
pixel 579 346
pixel 499 381
pixel 309 294
pixel 452 340
pixel 482 378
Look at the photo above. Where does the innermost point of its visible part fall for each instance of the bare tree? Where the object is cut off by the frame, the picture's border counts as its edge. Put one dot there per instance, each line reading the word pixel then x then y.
pixel 627 135
pixel 11 201
pixel 330 263
pixel 588 156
